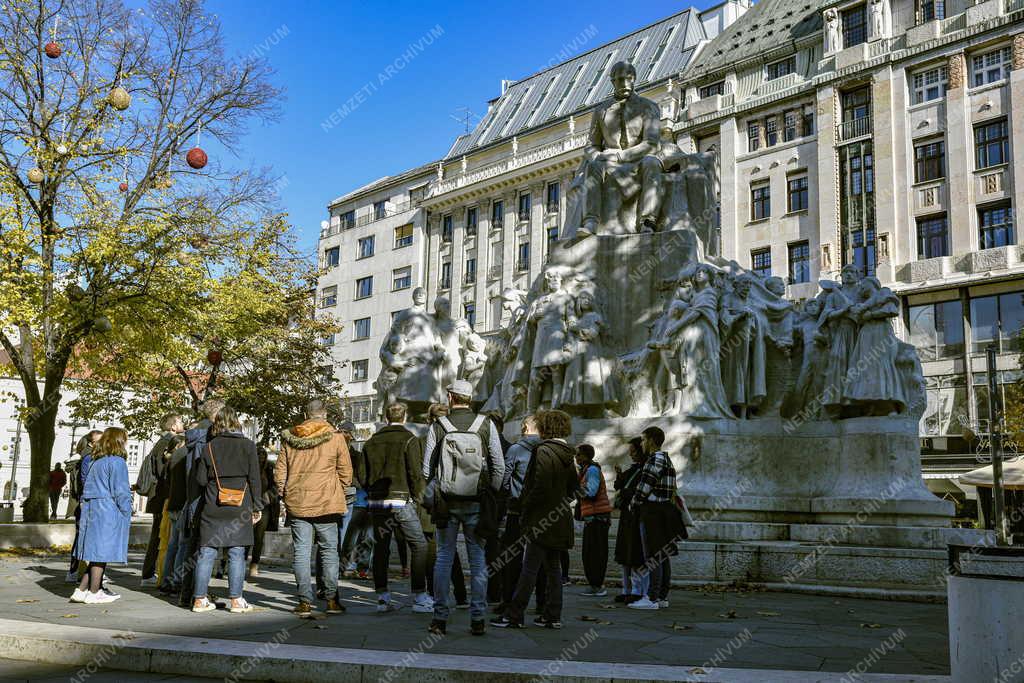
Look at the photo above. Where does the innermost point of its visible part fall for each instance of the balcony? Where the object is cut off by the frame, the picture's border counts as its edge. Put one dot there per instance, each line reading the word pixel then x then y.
pixel 494 272
pixel 523 266
pixel 469 278
pixel 853 129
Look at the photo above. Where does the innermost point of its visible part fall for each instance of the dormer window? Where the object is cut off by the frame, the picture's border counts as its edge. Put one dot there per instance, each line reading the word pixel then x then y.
pixel 780 68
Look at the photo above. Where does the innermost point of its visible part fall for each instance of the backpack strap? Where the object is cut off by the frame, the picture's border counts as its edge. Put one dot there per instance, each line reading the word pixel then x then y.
pixel 478 423
pixel 446 424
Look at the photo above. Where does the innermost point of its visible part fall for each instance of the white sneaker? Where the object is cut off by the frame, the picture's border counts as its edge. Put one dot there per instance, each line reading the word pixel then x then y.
pixel 662 604
pixel 386 604
pixel 109 592
pixel 78 596
pixel 239 606
pixel 149 583
pixel 100 598
pixel 424 604
pixel 643 603
pixel 203 605
pixel 71 577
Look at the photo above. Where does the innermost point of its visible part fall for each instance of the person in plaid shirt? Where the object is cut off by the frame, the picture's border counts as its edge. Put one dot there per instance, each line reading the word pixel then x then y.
pixel 658 519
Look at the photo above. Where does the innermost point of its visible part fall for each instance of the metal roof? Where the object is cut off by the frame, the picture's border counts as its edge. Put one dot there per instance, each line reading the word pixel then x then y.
pixel 657 51
pixel 764 28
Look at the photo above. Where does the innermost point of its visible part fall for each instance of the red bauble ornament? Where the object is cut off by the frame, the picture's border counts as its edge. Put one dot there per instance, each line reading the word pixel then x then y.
pixel 123 187
pixel 196 158
pixel 214 357
pixel 52 49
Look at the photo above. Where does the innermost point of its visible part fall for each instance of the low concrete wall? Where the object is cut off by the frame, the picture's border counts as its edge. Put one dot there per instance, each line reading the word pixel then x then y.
pixel 47 535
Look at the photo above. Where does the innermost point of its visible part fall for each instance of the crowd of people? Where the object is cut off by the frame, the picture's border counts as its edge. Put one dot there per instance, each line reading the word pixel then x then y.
pixel 213 494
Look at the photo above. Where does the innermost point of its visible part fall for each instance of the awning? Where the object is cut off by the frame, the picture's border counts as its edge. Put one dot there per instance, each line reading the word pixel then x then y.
pixel 1013 475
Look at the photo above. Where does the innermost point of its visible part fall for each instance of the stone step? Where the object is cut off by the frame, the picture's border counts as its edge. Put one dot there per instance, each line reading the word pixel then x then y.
pixel 884 536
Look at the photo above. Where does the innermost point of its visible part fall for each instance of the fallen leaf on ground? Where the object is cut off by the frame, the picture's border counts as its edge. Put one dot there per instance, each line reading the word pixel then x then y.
pixel 697 671
pixel 124 636
pixel 320 627
pixel 69 616
pixel 681 627
pixel 731 614
pixel 607 606
pixel 770 614
pixel 871 626
pixel 25 601
pixel 587 617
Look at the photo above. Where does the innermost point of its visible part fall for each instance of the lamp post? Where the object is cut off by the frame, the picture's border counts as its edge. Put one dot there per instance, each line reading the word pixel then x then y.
pixel 995 419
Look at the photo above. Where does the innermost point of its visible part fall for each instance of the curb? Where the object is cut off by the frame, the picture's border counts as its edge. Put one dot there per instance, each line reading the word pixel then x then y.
pixel 232 660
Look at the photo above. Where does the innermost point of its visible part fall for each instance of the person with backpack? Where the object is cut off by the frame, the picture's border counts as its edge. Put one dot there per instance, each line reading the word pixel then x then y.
pixel 464 467
pixel 312 473
pixel 152 483
pixel 549 491
pixel 517 461
pixel 595 509
pixel 394 487
pixel 658 518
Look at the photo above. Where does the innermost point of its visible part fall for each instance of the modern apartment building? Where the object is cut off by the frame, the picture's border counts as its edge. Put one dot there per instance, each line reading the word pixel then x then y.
pixel 885 134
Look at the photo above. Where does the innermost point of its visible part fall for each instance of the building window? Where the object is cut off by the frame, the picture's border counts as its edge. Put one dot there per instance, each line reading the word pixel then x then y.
pixel 366 246
pixel 797 194
pixel 712 90
pixel 855 26
pixel 471 220
pixel 551 201
pixel 361 411
pixel 380 209
pixel 991 67
pixel 332 257
pixel 553 233
pixel 929 161
pixel 348 219
pixel 470 276
pixel 446 275
pixel 932 237
pixel 498 213
pixel 760 202
pixel 362 329
pixel 929 84
pixel 995 226
pixel 524 206
pixel 328 340
pixel 403 236
pixel 360 370
pixel 597 77
pixel 997 319
pixel 761 262
pixel 807 121
pixel 790 125
pixel 364 287
pixel 780 68
pixel 657 53
pixel 133 455
pixel 771 131
pixel 469 313
pixel 753 136
pixel 931 10
pixel 569 87
pixel 447 229
pixel 991 144
pixel 329 296
pixel 799 263
pixel 523 262
pixel 857 206
pixel 937 330
pixel 856 104
pixel 401 278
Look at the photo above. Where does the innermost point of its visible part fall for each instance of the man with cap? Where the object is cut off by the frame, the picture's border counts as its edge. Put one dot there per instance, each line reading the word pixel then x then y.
pixel 450 513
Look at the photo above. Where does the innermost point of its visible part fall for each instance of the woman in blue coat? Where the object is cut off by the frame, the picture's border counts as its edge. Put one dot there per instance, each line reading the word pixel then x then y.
pixel 106 516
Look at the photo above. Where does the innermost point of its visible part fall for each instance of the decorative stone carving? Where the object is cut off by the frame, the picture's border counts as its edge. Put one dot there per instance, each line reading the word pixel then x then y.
pixel 833 39
pixel 956 71
pixel 839 327
pixel 873 381
pixel 879 18
pixel 544 352
pixel 1017 54
pixel 590 385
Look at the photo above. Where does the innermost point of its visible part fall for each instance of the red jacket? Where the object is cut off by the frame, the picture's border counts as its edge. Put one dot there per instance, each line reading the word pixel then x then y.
pixel 599 504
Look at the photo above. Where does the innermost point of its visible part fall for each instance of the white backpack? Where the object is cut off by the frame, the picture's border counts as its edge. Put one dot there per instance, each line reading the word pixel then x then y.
pixel 461 463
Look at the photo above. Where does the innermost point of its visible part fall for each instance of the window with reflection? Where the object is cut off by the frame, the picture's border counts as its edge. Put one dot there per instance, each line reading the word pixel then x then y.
pixel 937 330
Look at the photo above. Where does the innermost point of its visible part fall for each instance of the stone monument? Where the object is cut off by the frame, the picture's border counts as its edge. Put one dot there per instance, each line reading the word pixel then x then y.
pixel 790 423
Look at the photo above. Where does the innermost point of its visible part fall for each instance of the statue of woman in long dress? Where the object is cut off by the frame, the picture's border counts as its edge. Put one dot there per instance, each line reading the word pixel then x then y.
pixel 873 379
pixel 840 327
pixel 693 331
pixel 590 385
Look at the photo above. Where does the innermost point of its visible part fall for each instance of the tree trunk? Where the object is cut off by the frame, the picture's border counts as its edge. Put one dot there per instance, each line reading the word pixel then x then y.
pixel 41 428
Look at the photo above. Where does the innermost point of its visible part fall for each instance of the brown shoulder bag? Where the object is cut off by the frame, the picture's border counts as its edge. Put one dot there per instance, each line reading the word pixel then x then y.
pixel 230 497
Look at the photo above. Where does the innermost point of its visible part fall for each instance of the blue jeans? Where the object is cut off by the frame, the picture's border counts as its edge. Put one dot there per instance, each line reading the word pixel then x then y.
pixel 177 548
pixel 657 569
pixel 466 516
pixel 634 582
pixel 236 570
pixel 326 532
pixel 343 523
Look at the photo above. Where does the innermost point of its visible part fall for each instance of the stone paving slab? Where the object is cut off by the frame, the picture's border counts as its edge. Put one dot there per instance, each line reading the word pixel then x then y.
pixel 783 632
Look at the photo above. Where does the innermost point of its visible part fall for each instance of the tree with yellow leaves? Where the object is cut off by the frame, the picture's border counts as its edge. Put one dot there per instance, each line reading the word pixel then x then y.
pixel 113 250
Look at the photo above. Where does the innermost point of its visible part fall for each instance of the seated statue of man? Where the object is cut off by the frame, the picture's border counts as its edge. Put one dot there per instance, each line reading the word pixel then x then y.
pixel 620 161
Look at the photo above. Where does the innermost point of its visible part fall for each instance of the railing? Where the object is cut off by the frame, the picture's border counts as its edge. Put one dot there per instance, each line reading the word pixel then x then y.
pixel 779 84
pixel 444 283
pixel 877 48
pixel 368 218
pixel 495 272
pixel 854 128
pixel 1014 6
pixel 569 142
pixel 469 278
pixel 523 266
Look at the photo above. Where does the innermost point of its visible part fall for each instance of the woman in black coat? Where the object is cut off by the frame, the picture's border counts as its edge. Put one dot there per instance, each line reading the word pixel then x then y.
pixel 228 462
pixel 628 550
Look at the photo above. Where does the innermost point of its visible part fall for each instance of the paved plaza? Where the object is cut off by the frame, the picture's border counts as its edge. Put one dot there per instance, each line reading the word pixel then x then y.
pixel 729 628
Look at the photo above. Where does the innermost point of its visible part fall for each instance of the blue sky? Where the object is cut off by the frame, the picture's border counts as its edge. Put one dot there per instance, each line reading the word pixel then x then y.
pixel 325 53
